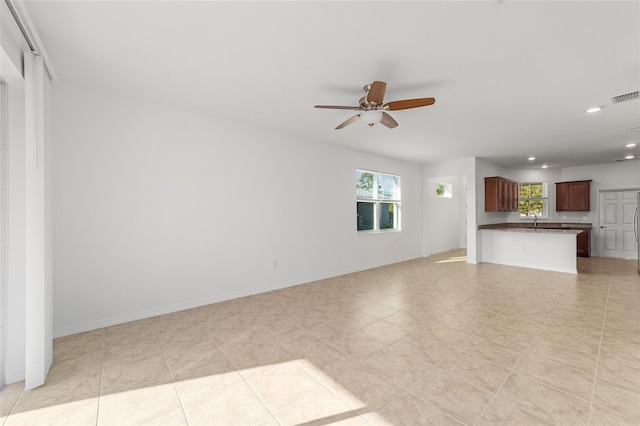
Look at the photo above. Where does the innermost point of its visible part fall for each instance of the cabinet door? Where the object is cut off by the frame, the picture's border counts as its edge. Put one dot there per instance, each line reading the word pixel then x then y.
pixel 561 197
pixel 514 197
pixel 582 243
pixel 502 191
pixel 491 194
pixel 578 194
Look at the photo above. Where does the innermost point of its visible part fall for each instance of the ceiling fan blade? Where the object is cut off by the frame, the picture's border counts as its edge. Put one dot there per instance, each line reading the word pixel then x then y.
pixel 349 121
pixel 376 92
pixel 388 121
pixel 337 107
pixel 408 103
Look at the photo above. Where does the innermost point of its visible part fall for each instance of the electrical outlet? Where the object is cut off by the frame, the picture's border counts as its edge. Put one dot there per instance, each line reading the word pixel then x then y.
pixel 275 264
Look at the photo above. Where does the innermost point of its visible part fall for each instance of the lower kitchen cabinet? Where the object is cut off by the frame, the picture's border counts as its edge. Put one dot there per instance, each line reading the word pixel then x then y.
pixel 583 242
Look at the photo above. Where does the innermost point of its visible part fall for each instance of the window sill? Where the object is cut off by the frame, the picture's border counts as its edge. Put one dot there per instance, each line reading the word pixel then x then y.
pixel 377 231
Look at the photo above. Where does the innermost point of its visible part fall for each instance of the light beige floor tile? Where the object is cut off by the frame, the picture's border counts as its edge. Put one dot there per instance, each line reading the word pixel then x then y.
pixel 320 406
pixel 72 412
pixel 462 323
pixel 357 345
pixel 476 371
pixel 139 406
pixel 621 354
pixel 423 348
pixel 197 360
pixel 378 310
pixel 135 374
pixel 385 332
pixel 232 405
pixel 274 326
pixel 601 416
pixel 623 374
pixel 409 410
pixel 399 366
pixel 453 396
pixel 585 362
pixel 330 334
pixel 502 413
pixel 444 334
pixel 557 375
pixel 282 384
pixel 253 358
pixel 363 390
pixel 493 352
pixel 615 337
pixel 515 322
pixel 505 336
pixel 198 389
pixel 126 351
pixel 544 401
pixel 567 336
pixel 618 398
pixel 172 339
pixel 8 398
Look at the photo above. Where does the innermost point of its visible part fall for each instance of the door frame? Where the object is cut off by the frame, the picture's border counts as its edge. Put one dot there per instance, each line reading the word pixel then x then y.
pixel 4 165
pixel 600 191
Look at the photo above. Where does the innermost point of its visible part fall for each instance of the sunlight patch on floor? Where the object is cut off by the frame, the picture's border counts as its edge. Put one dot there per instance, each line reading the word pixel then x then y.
pixel 454 259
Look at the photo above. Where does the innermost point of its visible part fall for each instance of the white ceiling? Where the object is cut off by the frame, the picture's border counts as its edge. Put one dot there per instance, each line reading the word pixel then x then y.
pixel 511 79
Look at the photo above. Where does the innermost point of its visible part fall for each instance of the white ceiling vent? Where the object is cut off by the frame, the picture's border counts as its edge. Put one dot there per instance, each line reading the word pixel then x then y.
pixel 624 98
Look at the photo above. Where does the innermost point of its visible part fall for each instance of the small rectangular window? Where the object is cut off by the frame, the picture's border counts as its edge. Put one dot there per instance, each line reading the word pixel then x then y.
pixel 444 190
pixel 533 199
pixel 377 201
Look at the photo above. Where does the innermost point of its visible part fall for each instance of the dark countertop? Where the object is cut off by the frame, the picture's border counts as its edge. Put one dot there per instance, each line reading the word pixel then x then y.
pixel 541 225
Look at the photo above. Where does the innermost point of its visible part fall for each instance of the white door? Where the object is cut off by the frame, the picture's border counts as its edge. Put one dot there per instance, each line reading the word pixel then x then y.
pixel 616 224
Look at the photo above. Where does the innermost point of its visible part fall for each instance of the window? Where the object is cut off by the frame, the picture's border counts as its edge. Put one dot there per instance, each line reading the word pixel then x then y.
pixel 443 190
pixel 532 199
pixel 377 201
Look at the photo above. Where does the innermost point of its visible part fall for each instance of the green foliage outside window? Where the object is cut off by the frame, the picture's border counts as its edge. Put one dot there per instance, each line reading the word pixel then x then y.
pixel 365 181
pixel 531 199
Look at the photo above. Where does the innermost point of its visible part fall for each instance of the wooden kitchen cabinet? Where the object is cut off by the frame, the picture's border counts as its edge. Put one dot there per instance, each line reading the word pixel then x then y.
pixel 500 195
pixel 573 196
pixel 583 242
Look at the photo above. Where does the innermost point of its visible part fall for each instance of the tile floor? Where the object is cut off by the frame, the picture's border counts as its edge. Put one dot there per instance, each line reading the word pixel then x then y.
pixel 429 341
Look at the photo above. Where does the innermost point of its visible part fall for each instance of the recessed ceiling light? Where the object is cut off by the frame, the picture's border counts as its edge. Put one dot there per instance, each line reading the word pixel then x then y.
pixel 594 109
pixel 631 145
pixel 544 166
pixel 532 158
pixel 629 157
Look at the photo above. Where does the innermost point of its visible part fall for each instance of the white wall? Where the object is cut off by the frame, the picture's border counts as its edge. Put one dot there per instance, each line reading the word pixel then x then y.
pixel 157 209
pixel 444 214
pixel 446 221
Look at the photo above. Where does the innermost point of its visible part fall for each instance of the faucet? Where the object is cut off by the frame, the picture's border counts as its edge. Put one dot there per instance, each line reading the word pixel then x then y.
pixel 535 220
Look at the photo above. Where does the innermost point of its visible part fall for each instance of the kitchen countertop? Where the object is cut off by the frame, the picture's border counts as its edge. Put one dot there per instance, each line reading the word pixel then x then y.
pixel 524 226
pixel 539 230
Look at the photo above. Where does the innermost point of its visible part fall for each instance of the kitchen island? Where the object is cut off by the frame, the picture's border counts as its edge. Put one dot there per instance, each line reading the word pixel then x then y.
pixel 552 249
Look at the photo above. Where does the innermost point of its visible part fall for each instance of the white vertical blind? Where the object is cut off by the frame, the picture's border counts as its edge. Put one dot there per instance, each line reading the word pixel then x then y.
pixel 38 343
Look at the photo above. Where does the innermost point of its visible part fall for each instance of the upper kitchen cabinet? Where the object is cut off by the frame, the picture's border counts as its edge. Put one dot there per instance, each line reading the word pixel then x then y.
pixel 500 195
pixel 573 196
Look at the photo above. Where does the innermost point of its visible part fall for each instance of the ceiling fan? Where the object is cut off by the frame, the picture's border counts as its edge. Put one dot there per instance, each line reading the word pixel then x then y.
pixel 373 110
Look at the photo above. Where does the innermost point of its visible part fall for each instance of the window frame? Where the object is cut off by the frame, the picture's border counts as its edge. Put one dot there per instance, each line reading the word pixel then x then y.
pixel 544 199
pixel 379 201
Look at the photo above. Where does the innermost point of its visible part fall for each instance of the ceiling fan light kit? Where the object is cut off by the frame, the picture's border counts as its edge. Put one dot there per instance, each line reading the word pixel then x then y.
pixel 373 110
pixel 371 116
